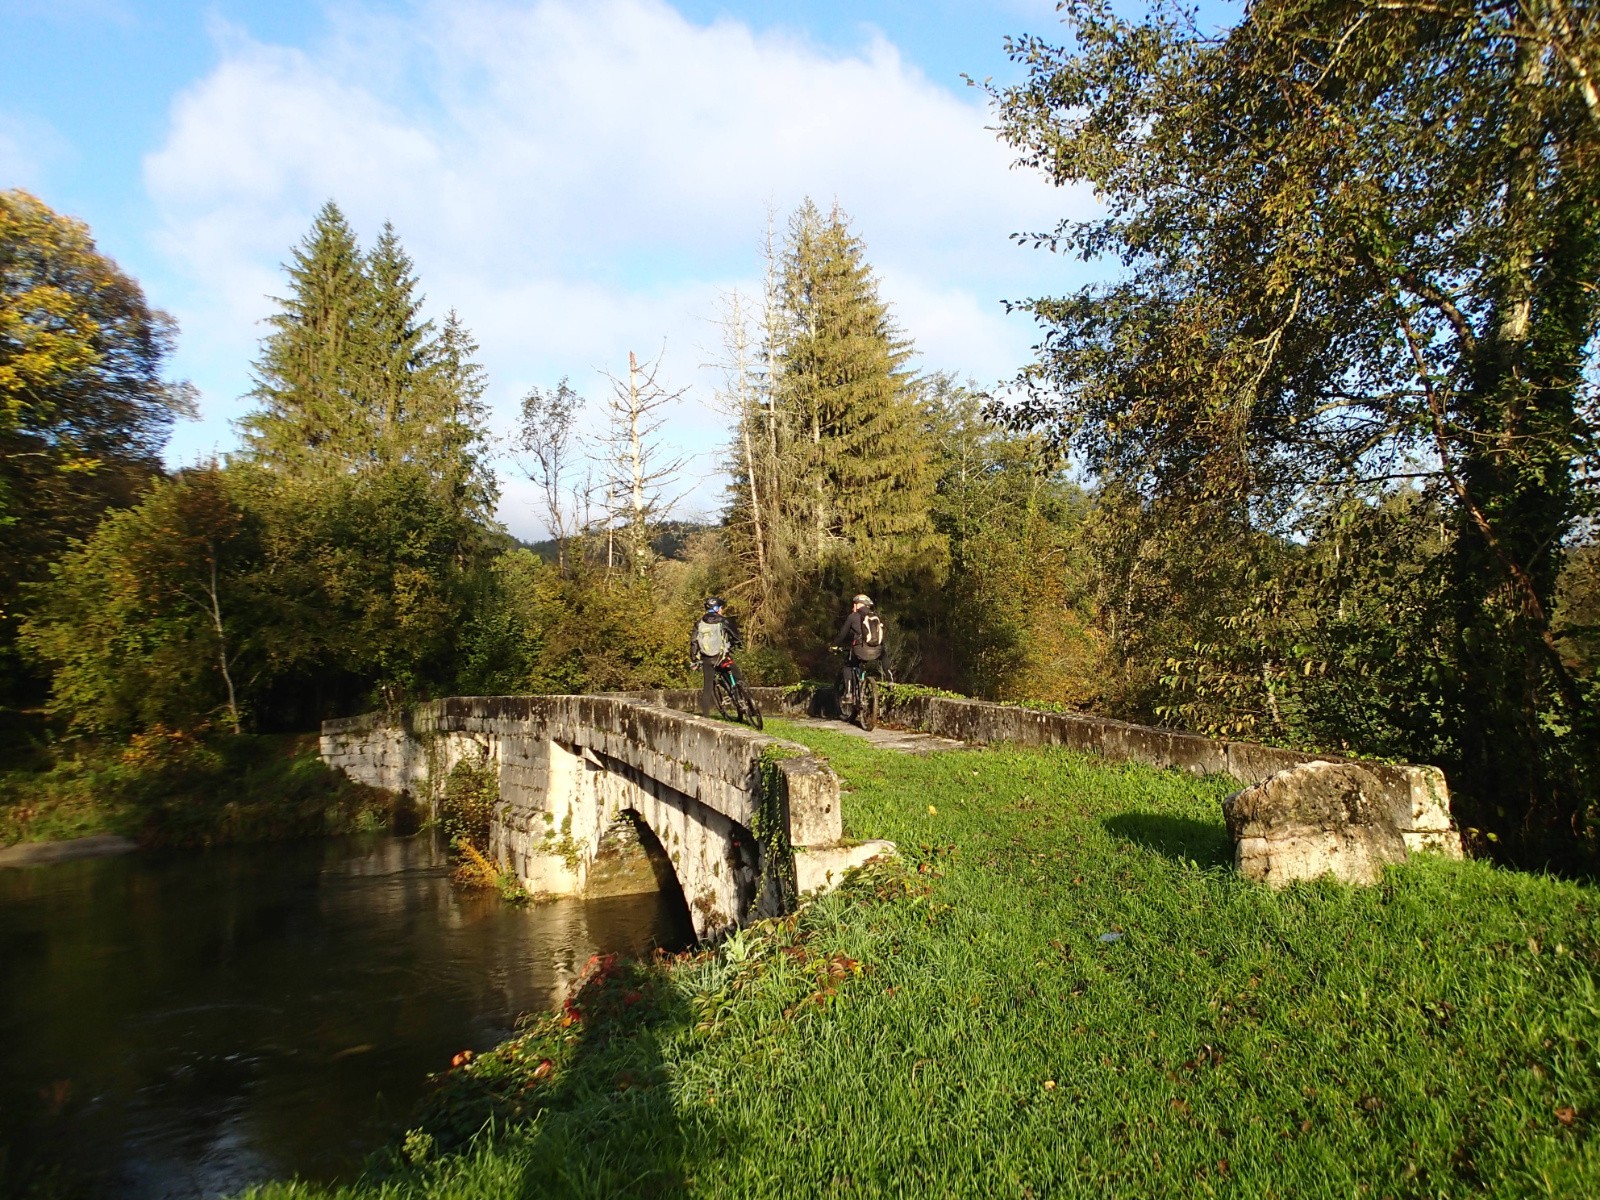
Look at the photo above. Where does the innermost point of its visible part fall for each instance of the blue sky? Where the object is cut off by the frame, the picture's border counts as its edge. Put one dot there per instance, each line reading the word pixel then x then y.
pixel 577 177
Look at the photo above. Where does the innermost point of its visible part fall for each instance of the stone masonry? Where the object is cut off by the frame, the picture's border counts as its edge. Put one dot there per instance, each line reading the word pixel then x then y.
pixel 568 766
pixel 1386 811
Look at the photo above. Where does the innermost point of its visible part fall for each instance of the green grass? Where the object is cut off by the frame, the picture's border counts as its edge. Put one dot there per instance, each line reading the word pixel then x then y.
pixel 173 790
pixel 959 1024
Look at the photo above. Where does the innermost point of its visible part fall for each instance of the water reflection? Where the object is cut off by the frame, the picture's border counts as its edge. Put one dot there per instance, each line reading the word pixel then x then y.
pixel 181 1025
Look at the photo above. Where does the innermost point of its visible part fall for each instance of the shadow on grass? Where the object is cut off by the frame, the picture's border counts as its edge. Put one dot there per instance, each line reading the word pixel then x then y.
pixel 1180 838
pixel 581 1104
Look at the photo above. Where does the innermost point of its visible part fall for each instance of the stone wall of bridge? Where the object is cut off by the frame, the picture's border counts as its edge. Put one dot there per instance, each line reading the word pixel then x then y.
pixel 568 766
pixel 1404 807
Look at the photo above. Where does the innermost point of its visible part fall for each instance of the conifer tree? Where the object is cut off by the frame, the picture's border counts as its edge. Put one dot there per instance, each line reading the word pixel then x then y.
pixel 833 462
pixel 859 471
pixel 353 377
pixel 449 417
pixel 397 344
pixel 308 378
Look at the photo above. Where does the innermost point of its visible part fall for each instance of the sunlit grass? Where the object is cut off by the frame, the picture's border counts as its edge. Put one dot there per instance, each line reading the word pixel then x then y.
pixel 1065 991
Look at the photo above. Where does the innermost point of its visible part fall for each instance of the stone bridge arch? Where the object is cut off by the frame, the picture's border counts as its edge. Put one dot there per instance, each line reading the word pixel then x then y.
pixel 568 766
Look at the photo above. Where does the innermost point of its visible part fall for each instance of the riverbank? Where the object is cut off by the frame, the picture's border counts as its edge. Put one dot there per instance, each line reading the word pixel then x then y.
pixel 43 854
pixel 1062 990
pixel 165 788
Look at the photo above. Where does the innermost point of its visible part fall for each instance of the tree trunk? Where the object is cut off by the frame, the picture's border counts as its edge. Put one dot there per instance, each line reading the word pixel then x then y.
pixel 222 640
pixel 1517 507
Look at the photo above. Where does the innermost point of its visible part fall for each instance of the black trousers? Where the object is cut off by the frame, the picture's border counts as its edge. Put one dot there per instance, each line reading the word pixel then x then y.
pixel 850 661
pixel 708 693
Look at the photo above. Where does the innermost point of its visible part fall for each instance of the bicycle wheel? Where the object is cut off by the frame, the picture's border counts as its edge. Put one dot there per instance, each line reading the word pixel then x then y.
pixel 847 699
pixel 727 704
pixel 867 711
pixel 752 711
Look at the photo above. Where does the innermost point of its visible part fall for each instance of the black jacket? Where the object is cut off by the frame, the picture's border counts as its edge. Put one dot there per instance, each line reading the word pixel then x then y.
pixel 852 636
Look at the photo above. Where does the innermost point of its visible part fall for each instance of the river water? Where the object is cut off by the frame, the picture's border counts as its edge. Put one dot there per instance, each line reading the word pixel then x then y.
pixel 181 1025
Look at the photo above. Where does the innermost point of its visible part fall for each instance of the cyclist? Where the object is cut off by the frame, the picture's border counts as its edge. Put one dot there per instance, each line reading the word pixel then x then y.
pixel 861 636
pixel 714 637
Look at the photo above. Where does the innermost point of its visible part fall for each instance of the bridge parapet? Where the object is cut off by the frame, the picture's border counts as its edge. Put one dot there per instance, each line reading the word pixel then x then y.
pixel 747 820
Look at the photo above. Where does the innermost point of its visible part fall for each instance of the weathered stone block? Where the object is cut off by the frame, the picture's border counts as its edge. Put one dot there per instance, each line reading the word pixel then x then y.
pixel 822 868
pixel 813 801
pixel 1314 819
pixel 1251 762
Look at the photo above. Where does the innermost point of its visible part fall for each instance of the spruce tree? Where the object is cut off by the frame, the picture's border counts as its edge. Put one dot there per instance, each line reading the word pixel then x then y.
pixel 396 347
pixel 447 418
pixel 861 476
pixel 353 378
pixel 309 377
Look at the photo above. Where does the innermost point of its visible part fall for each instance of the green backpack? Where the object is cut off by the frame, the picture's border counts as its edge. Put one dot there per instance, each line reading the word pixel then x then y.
pixel 711 637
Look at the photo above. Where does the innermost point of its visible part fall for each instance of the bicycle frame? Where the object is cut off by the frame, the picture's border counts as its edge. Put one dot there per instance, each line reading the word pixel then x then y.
pixel 857 673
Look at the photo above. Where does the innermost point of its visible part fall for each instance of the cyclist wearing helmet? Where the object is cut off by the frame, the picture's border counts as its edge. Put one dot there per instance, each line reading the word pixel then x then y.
pixel 861 634
pixel 712 639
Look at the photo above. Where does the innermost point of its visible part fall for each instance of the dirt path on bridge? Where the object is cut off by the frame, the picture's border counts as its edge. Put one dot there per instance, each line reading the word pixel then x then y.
pixel 903 740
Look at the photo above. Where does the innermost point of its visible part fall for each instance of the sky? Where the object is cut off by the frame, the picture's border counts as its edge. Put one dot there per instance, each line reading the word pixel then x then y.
pixel 577 178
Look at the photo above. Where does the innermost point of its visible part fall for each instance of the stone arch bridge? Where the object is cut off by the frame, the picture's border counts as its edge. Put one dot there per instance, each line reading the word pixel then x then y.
pixel 737 813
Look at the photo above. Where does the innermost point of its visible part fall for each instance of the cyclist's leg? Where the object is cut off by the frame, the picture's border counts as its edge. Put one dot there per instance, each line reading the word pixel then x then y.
pixel 708 691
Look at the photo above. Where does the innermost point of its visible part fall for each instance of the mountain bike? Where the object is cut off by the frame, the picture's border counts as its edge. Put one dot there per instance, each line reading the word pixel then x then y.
pixel 734 700
pixel 858 698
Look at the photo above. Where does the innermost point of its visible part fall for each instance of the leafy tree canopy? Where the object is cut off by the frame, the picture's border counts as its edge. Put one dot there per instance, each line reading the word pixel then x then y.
pixel 1359 244
pixel 84 406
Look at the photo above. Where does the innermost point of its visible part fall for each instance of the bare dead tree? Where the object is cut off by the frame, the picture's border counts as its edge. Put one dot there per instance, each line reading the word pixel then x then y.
pixel 638 471
pixel 739 397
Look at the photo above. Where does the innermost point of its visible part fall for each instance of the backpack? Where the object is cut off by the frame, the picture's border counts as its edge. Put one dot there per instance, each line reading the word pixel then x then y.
pixel 711 638
pixel 871 644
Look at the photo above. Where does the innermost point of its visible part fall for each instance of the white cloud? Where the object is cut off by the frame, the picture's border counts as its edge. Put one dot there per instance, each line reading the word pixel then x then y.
pixel 580 179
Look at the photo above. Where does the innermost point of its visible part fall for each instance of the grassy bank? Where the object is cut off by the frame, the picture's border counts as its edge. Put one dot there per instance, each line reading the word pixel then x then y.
pixel 1063 990
pixel 172 789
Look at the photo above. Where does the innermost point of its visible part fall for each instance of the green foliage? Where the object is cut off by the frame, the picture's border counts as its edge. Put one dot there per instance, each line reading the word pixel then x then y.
pixel 468 801
pixel 1358 250
pixel 1577 620
pixel 331 565
pixel 858 473
pixel 957 1024
pixel 1347 646
pixel 367 576
pixel 538 628
pixel 354 379
pixel 84 407
pixel 168 787
pixel 775 889
pixel 139 625
pixel 1016 616
pixel 834 474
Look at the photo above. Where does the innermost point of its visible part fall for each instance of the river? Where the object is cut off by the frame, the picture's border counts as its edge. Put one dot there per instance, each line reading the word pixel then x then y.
pixel 180 1025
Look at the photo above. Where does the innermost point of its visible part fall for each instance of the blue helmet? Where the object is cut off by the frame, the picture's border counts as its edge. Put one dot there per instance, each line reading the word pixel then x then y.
pixel 714 604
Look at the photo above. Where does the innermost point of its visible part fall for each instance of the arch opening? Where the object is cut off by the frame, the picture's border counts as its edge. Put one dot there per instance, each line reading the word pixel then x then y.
pixel 630 860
